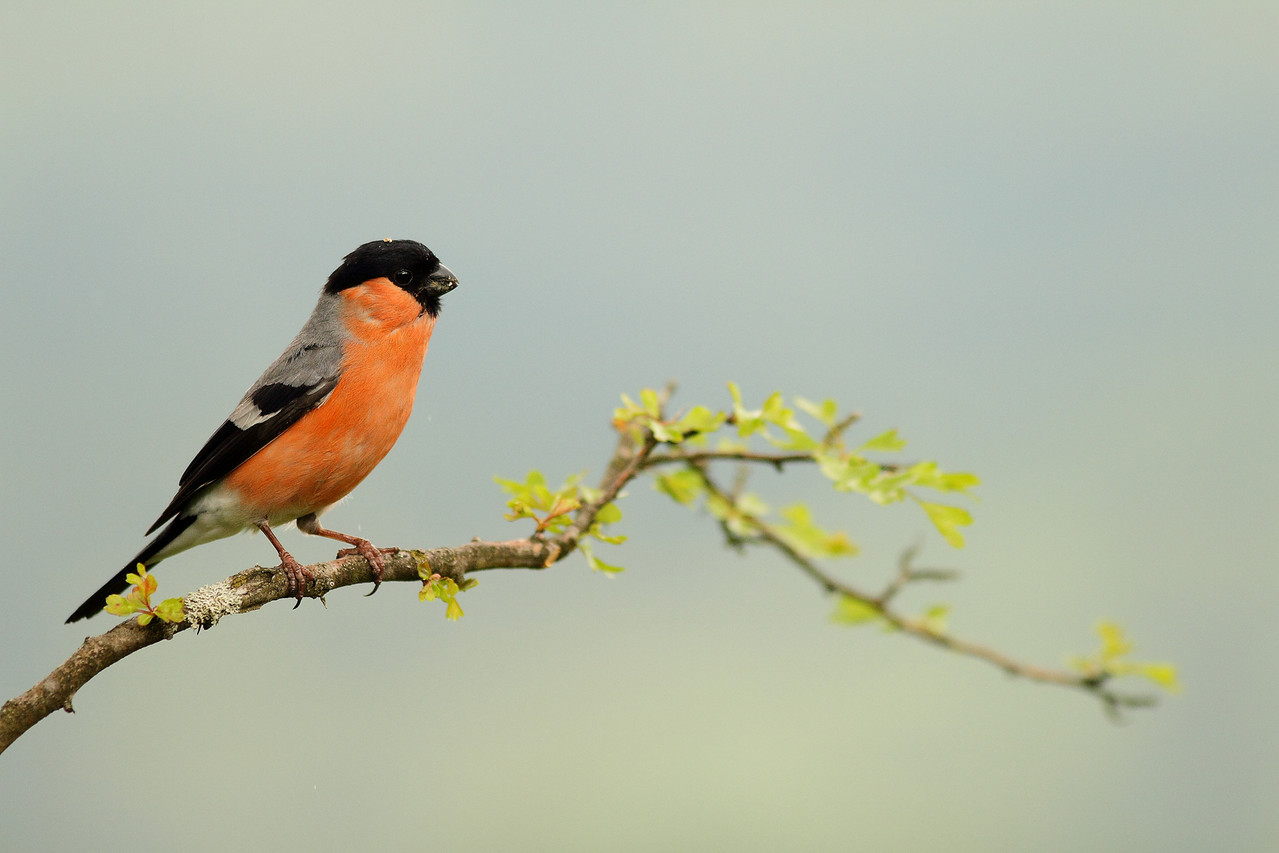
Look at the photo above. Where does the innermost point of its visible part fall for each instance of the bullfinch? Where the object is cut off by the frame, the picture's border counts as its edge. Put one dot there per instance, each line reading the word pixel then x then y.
pixel 320 418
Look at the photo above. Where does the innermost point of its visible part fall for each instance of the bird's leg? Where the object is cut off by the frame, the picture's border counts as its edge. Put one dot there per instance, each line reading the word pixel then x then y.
pixel 298 574
pixel 363 547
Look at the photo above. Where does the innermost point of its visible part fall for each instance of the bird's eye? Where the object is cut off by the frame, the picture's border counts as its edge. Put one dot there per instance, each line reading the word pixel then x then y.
pixel 402 277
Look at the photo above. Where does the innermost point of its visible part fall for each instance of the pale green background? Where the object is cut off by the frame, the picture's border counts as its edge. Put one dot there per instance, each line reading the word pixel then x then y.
pixel 1040 239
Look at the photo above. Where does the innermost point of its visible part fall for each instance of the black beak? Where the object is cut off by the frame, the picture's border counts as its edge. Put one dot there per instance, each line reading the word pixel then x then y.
pixel 441 281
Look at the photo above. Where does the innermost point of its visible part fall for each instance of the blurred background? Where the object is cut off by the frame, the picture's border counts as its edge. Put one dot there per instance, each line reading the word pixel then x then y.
pixel 1038 239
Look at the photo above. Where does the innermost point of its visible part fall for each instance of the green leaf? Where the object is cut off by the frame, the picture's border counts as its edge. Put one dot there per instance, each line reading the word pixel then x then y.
pixel 1162 674
pixel 837 467
pixel 959 481
pixel 775 412
pixel 1114 644
pixel 851 473
pixel 885 442
pixel 170 610
pixel 948 520
pixel 520 490
pixel 665 433
pixel 118 605
pixel 533 496
pixel 734 515
pixel 137 599
pixel 826 413
pixel 596 563
pixel 887 487
pixel 929 475
pixel 443 589
pixel 935 618
pixel 802 534
pixel 1110 660
pixel 628 412
pixel 651 402
pixel 701 419
pixel 796 439
pixel 749 422
pixel 736 394
pixel 608 514
pixel 854 611
pixel 718 507
pixel 683 486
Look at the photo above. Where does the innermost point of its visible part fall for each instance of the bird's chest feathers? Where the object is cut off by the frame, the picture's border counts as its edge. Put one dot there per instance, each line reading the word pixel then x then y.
pixel 382 358
pixel 380 368
pixel 379 380
pixel 335 445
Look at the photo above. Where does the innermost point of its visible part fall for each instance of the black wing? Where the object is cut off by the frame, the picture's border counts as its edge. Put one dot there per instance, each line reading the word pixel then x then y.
pixel 272 409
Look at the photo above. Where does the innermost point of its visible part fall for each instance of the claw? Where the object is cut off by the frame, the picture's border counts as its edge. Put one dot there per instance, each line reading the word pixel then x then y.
pixel 299 578
pixel 364 548
pixel 297 574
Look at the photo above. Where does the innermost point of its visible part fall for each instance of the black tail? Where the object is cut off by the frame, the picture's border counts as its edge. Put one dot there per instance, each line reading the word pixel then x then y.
pixel 94 604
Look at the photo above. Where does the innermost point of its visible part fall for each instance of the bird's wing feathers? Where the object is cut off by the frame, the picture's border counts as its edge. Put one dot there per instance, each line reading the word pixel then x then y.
pixel 299 380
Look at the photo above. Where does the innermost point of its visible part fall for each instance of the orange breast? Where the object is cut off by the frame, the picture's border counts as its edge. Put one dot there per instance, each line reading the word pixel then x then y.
pixel 326 454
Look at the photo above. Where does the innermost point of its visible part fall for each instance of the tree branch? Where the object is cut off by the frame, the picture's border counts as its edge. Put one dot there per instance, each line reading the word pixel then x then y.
pixel 253 588
pixel 777 460
pixel 244 592
pixel 635 453
pixel 919 628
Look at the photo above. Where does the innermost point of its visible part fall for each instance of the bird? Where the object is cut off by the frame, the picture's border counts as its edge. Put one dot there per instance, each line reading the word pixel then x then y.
pixel 316 422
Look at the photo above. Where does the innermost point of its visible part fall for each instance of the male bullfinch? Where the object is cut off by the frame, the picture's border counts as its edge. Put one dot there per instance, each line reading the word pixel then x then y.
pixel 320 418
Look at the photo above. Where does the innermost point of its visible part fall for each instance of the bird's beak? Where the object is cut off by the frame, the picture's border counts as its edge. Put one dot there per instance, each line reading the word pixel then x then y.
pixel 441 281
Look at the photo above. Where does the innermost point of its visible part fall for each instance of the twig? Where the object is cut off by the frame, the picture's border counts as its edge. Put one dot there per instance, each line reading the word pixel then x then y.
pixel 777 460
pixel 880 604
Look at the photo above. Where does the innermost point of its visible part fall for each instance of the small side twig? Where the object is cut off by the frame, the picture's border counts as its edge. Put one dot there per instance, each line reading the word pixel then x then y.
pixel 907 573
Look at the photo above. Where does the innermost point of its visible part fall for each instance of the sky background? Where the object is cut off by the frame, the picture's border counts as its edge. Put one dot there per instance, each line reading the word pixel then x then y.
pixel 1041 240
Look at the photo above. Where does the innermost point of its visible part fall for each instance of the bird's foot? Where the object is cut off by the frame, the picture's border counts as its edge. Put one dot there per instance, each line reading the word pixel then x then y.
pixel 299 577
pixel 366 549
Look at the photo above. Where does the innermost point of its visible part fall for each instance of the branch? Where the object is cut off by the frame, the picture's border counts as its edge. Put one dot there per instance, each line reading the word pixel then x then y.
pixel 881 606
pixel 241 593
pixel 634 454
pixel 777 460
pixel 627 462
pixel 251 589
